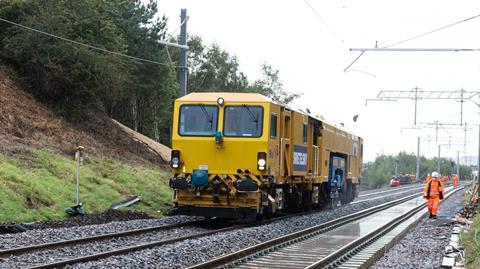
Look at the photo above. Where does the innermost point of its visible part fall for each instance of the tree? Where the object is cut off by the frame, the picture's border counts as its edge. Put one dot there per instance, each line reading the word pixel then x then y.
pixel 75 79
pixel 64 75
pixel 147 106
pixel 212 68
pixel 380 171
pixel 270 85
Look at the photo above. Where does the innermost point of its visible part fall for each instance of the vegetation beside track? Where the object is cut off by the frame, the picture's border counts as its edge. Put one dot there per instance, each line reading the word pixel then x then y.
pixel 471 243
pixel 41 186
pixel 379 172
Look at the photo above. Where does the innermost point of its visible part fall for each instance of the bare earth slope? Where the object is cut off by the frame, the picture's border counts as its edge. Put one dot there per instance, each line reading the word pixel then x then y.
pixel 160 149
pixel 26 123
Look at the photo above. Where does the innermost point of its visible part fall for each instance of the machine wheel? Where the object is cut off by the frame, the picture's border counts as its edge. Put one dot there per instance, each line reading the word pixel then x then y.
pixel 345 194
pixel 307 200
pixel 353 192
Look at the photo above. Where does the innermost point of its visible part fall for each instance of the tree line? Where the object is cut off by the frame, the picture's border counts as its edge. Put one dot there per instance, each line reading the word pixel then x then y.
pixel 380 171
pixel 78 81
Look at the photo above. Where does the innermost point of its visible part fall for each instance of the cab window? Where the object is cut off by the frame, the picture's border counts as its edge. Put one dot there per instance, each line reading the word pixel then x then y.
pixel 273 126
pixel 243 121
pixel 305 134
pixel 198 120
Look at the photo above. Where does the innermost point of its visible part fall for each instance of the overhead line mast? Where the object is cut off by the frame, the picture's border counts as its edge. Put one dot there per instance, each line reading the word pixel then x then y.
pixel 182 70
pixel 416 95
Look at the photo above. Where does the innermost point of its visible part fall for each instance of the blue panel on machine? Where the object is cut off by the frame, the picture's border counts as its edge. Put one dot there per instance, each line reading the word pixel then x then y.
pixel 199 177
pixel 337 171
pixel 299 158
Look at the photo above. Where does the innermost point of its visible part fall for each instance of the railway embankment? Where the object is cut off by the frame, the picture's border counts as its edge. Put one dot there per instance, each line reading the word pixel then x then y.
pixel 470 235
pixel 37 173
pixel 471 243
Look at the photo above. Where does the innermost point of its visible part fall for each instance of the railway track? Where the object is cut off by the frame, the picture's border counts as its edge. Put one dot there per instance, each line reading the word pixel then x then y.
pixel 117 251
pixel 83 240
pixel 389 189
pixel 347 242
pixel 386 193
pixel 127 249
pixel 56 262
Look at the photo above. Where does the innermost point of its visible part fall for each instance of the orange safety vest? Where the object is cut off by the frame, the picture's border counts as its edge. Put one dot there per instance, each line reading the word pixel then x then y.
pixel 433 188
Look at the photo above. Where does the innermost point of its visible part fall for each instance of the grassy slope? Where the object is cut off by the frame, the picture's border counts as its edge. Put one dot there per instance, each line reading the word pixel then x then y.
pixel 471 242
pixel 42 185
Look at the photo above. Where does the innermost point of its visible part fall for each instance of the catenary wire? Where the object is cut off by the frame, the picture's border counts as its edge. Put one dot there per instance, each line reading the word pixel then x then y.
pixel 171 35
pixel 415 37
pixel 432 31
pixel 84 45
pixel 323 20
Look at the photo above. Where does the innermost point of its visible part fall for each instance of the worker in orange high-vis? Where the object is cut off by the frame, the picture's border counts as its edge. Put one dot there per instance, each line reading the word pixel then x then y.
pixel 433 192
pixel 446 181
pixel 455 181
pixel 428 178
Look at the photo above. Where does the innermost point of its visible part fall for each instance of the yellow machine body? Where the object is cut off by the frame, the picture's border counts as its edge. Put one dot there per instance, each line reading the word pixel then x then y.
pixel 297 149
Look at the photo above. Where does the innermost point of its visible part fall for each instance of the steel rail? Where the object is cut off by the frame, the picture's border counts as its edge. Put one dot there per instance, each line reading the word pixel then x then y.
pixel 391 189
pixel 296 236
pixel 63 243
pixel 157 243
pixel 134 248
pixel 387 195
pixel 349 250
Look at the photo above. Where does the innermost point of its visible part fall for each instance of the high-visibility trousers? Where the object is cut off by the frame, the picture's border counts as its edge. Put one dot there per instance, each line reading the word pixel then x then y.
pixel 432 204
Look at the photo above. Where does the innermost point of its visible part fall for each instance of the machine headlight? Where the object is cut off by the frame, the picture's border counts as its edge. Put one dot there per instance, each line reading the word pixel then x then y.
pixel 175 160
pixel 261 161
pixel 220 101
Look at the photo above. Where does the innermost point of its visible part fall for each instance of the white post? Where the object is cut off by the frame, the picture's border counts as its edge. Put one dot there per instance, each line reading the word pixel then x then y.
pixel 79 161
pixel 77 158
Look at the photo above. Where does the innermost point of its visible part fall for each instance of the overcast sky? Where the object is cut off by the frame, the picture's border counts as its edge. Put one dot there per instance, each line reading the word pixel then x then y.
pixel 312 55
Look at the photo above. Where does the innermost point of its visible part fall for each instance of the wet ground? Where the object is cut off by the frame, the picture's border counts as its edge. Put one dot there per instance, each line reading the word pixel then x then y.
pixel 424 245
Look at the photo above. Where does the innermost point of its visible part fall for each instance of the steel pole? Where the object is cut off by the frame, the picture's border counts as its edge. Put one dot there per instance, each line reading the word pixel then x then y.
pixel 396 168
pixel 461 107
pixel 438 161
pixel 182 71
pixel 458 164
pixel 416 98
pixel 417 174
pixel 478 160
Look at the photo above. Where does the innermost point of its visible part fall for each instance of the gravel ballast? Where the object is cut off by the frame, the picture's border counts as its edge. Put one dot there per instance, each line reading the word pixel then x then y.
pixel 23 261
pixel 46 235
pixel 193 251
pixel 423 246
pixel 90 219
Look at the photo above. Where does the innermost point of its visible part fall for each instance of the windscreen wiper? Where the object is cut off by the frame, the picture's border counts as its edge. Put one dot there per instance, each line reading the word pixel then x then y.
pixel 252 116
pixel 207 116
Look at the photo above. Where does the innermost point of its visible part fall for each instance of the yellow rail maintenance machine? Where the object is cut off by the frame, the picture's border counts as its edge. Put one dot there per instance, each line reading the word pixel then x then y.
pixel 243 155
